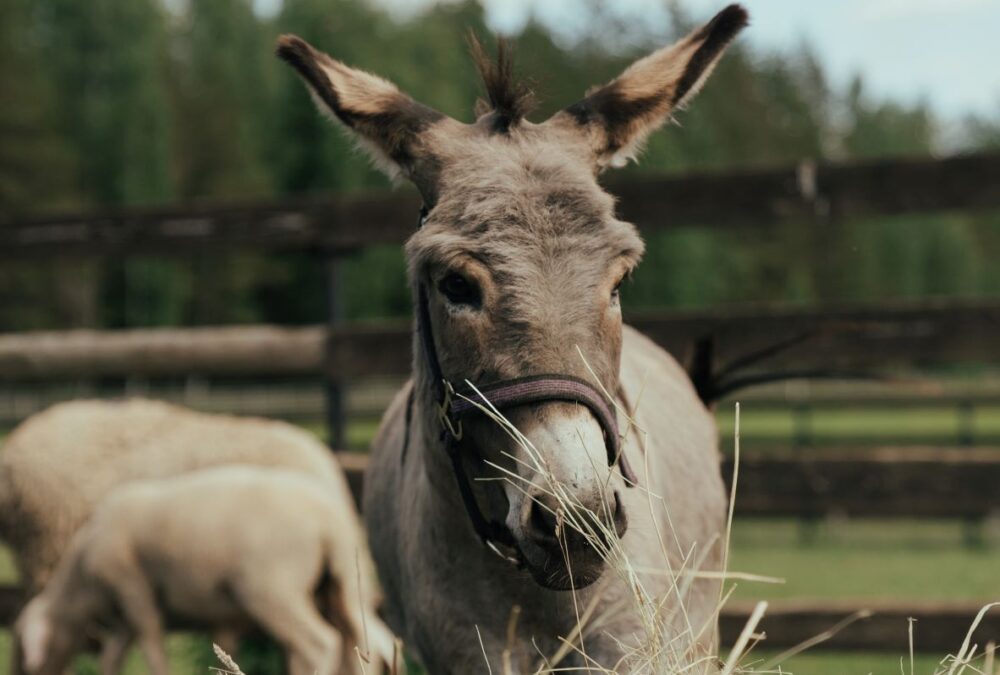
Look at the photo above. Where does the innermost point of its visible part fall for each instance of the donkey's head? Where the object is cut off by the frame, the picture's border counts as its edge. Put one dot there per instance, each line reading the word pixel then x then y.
pixel 519 261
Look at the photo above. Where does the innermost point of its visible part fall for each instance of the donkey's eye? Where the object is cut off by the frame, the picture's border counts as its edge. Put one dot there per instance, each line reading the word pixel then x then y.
pixel 459 290
pixel 616 292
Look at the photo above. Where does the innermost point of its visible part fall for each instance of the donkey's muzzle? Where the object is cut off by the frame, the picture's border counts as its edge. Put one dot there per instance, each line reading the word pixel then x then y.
pixel 548 523
pixel 565 546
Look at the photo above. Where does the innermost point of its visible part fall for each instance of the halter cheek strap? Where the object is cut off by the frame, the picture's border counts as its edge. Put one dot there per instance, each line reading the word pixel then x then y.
pixel 453 406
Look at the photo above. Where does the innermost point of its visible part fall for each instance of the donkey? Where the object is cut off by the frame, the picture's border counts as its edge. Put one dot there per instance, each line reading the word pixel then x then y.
pixel 515 270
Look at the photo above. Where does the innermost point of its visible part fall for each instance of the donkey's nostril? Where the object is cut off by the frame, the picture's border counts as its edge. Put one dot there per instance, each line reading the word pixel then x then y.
pixel 542 521
pixel 619 516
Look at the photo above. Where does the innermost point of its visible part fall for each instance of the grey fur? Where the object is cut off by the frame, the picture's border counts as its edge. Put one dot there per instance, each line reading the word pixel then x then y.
pixel 519 215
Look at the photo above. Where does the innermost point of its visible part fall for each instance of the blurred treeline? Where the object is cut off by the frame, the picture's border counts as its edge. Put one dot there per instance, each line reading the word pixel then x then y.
pixel 119 102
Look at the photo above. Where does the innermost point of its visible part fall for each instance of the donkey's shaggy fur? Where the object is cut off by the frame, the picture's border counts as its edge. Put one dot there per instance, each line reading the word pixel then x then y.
pixel 520 259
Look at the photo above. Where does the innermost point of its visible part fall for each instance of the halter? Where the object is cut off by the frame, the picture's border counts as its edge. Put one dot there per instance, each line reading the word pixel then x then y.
pixel 454 405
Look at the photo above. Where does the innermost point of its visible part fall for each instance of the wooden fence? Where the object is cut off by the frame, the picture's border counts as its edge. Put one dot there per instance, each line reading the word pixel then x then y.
pixel 735 199
pixel 332 227
pixel 882 336
pixel 884 483
pixel 940 629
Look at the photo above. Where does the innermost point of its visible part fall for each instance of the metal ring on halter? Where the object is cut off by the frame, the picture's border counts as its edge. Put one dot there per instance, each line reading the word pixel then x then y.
pixel 444 412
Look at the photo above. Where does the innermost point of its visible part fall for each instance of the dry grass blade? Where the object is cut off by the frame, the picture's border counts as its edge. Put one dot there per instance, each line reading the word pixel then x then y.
pixel 229 665
pixel 483 648
pixel 817 639
pixel 744 639
pixel 961 660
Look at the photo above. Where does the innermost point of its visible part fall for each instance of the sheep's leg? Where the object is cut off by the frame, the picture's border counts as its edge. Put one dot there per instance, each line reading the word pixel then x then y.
pixel 375 643
pixel 139 606
pixel 114 649
pixel 16 660
pixel 322 658
pixel 312 645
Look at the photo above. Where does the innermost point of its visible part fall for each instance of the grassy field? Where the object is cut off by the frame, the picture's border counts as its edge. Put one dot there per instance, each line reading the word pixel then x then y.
pixel 837 559
pixel 855 560
pixel 932 425
pixel 864 560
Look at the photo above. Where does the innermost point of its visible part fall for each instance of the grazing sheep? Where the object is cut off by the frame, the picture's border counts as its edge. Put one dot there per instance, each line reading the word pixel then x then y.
pixel 229 547
pixel 57 465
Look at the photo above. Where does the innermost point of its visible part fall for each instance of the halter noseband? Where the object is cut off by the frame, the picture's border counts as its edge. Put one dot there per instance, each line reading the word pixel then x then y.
pixel 453 405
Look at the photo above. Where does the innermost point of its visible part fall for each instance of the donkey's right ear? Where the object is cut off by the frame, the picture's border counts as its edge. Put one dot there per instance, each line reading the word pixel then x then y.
pixel 616 119
pixel 388 123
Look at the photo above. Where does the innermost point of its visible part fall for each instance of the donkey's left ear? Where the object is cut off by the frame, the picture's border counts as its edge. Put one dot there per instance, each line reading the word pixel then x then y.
pixel 617 117
pixel 389 124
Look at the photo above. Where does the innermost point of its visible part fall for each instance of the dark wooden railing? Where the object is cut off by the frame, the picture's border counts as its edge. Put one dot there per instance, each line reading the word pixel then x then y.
pixel 734 199
pixel 882 337
pixel 876 337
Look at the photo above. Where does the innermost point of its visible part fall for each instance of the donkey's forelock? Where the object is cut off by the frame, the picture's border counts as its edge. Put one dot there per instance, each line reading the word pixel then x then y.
pixel 521 197
pixel 508 100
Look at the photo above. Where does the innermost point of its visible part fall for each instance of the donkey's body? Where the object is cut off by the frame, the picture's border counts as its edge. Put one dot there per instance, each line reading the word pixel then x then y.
pixel 441 584
pixel 515 272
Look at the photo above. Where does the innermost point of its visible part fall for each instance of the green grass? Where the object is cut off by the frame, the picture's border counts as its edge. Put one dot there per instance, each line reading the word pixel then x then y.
pixel 8 572
pixel 933 425
pixel 864 559
pixel 858 560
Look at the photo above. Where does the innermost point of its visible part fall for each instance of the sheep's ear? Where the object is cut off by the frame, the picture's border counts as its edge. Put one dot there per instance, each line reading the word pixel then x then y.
pixel 616 118
pixel 390 125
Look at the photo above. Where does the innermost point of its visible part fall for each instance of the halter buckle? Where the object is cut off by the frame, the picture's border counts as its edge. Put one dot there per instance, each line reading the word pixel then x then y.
pixel 444 413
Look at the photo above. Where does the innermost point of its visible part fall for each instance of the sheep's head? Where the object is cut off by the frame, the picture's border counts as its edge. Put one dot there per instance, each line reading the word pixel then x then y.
pixel 45 647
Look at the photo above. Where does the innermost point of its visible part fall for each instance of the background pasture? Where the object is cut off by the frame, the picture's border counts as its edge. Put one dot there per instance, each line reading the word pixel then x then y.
pixel 141 103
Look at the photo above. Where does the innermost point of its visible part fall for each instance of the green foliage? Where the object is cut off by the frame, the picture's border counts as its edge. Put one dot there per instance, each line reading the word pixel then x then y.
pixel 105 60
pixel 223 84
pixel 140 101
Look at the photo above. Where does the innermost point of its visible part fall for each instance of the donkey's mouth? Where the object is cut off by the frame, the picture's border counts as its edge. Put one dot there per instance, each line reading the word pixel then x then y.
pixel 559 569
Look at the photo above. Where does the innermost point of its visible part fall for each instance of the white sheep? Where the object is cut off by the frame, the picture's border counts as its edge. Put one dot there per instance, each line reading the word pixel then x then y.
pixel 228 547
pixel 57 465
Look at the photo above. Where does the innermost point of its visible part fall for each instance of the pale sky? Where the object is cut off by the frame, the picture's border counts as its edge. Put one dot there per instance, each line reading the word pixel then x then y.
pixel 946 52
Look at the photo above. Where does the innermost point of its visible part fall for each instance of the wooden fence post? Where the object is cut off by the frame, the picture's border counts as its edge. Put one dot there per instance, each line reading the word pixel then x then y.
pixel 336 419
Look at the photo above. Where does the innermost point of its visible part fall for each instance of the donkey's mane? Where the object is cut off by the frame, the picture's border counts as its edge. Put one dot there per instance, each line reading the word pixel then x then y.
pixel 508 100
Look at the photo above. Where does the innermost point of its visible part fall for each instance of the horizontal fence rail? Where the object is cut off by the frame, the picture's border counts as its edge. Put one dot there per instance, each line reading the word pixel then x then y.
pixel 889 482
pixel 906 482
pixel 940 628
pixel 303 400
pixel 855 337
pixel 739 198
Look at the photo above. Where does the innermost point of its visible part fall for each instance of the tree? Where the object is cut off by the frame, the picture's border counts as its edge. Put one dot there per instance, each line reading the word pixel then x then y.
pixel 105 59
pixel 222 79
